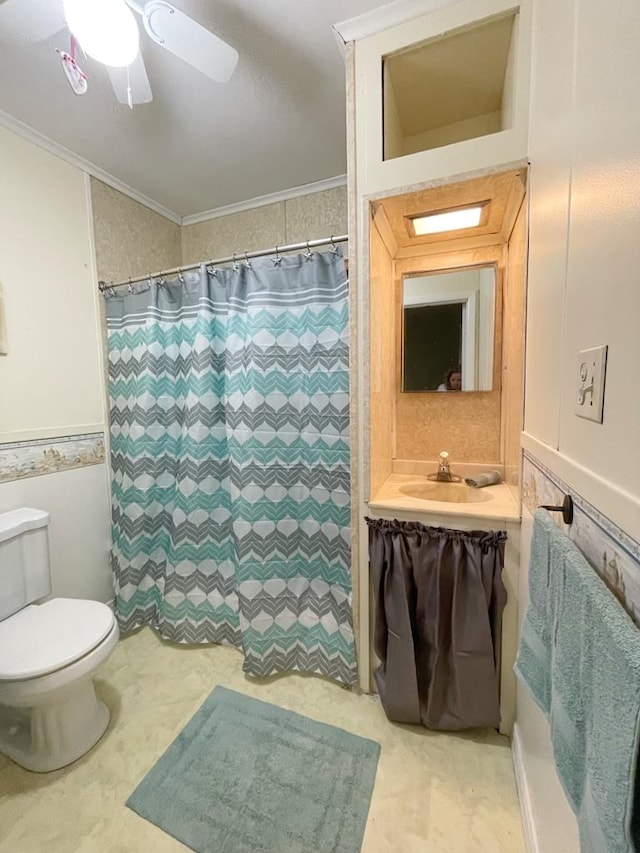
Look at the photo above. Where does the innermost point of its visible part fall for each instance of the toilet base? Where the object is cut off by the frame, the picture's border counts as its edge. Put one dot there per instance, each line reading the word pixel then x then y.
pixel 49 736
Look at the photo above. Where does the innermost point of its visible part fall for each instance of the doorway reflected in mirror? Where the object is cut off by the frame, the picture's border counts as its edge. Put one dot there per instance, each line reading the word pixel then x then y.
pixel 447 330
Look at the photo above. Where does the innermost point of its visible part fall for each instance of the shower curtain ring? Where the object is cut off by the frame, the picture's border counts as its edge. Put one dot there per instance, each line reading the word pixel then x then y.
pixel 111 290
pixel 180 276
pixel 309 253
pixel 130 286
pixel 247 261
pixel 334 248
pixel 277 260
pixel 234 265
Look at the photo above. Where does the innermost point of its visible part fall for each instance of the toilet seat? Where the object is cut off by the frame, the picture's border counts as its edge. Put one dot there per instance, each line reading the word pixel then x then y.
pixel 43 638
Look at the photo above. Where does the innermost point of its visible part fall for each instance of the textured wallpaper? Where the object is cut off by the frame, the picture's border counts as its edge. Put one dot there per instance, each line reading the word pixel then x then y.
pixel 131 239
pixel 307 217
pixel 513 351
pixel 467 425
pixel 382 363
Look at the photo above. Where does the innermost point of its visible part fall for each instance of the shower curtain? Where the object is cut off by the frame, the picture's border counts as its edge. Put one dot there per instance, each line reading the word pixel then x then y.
pixel 439 598
pixel 229 392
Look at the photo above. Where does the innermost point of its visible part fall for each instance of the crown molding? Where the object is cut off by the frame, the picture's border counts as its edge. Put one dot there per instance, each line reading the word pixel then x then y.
pixel 262 200
pixel 31 135
pixel 391 15
pixel 36 138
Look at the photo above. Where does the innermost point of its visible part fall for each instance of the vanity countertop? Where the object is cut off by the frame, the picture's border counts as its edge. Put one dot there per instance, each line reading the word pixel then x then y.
pixel 490 502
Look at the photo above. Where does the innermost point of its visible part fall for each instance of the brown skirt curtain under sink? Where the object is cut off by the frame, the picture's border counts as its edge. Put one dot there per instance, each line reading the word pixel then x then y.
pixel 439 598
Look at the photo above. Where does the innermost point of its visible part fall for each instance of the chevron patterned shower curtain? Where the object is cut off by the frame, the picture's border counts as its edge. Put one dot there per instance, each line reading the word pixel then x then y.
pixel 230 455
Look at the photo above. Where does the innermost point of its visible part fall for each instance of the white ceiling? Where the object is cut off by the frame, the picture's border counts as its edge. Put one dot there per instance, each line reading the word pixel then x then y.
pixel 279 123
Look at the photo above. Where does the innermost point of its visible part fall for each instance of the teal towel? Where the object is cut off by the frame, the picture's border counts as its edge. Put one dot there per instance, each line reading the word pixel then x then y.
pixel 595 709
pixel 533 664
pixel 593 678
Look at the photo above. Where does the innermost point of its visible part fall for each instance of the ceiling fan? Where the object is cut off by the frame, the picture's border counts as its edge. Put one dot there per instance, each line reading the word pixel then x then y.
pixel 108 32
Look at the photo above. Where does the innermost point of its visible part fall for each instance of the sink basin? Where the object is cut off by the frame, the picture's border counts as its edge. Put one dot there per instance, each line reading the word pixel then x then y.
pixel 446 492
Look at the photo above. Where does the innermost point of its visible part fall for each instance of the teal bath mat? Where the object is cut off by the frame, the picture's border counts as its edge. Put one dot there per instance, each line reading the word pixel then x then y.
pixel 247 777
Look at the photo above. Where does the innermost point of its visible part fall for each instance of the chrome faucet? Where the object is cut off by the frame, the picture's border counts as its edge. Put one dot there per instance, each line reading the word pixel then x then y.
pixel 443 474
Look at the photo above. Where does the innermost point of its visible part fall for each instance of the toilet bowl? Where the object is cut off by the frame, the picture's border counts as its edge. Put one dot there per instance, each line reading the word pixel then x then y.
pixel 49 712
pixel 49 653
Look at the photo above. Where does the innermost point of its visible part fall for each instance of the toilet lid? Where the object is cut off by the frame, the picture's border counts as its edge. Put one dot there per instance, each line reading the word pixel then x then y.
pixel 42 638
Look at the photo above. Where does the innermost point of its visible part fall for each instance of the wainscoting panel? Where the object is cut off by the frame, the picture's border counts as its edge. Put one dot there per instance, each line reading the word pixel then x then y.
pixel 613 553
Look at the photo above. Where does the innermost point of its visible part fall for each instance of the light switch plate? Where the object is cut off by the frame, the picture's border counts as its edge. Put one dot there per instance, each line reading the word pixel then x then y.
pixel 590 391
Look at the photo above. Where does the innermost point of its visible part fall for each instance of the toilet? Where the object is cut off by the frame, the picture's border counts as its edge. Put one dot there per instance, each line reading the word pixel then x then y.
pixel 49 712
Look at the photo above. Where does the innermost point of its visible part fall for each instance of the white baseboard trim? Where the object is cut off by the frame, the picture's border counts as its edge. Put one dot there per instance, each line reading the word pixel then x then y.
pixel 524 793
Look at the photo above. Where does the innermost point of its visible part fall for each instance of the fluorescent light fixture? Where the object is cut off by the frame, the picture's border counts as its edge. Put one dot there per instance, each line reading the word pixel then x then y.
pixel 450 220
pixel 105 29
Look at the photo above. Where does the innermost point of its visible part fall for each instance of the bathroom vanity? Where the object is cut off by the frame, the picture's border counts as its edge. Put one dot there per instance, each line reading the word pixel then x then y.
pixel 412 497
pixel 412 159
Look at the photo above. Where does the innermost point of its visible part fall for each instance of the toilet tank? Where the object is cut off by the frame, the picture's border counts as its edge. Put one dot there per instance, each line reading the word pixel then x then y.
pixel 24 559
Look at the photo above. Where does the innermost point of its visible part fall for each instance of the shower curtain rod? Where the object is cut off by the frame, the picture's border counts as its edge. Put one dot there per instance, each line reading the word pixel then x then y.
pixel 235 258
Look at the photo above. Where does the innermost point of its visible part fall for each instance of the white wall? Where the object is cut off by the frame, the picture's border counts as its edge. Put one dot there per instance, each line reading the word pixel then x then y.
pixel 584 250
pixel 602 293
pixel 79 533
pixel 584 256
pixel 51 381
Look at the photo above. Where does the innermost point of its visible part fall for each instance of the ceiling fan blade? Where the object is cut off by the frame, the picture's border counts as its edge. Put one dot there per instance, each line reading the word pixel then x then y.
pixel 30 20
pixel 188 40
pixel 138 80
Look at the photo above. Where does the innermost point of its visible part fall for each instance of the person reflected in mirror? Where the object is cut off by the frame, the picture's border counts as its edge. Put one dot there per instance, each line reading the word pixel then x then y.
pixel 452 380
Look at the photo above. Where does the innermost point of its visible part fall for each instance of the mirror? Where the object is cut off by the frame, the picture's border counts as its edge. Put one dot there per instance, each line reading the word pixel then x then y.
pixel 448 320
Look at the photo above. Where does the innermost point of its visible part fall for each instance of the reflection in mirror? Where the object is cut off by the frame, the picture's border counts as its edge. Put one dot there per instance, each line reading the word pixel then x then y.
pixel 447 330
